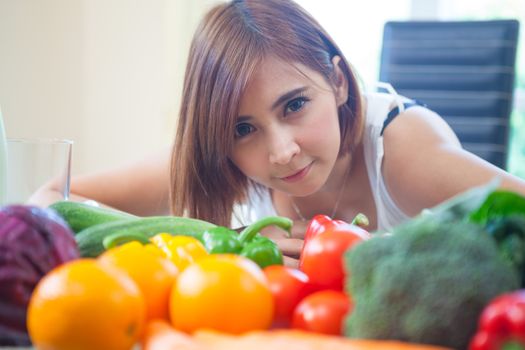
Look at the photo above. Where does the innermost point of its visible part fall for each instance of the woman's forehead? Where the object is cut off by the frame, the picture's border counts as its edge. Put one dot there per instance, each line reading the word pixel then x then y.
pixel 274 77
pixel 275 69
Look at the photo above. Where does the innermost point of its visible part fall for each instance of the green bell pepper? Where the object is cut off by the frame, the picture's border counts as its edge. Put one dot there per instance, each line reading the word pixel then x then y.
pixel 261 249
pixel 219 240
pixel 249 243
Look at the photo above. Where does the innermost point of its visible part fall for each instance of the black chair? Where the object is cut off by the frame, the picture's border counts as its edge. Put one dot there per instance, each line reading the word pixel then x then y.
pixel 463 70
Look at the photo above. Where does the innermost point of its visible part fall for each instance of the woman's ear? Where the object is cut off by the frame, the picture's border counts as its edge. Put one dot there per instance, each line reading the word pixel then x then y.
pixel 340 82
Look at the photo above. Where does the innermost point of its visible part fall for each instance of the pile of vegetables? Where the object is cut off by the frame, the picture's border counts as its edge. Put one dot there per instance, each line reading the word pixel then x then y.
pixel 193 275
pixel 33 241
pixel 430 279
pixel 449 277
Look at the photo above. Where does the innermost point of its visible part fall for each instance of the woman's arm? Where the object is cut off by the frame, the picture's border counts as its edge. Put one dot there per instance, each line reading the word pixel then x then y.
pixel 141 188
pixel 424 163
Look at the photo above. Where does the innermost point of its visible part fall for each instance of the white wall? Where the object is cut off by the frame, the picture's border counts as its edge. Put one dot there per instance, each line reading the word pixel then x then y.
pixel 41 68
pixel 357 27
pixel 105 73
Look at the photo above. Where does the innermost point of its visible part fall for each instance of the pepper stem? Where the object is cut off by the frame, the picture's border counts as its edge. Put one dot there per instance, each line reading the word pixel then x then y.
pixel 361 220
pixel 117 239
pixel 249 232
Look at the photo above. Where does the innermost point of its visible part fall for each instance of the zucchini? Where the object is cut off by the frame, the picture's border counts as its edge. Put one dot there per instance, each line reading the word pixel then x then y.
pixel 90 240
pixel 80 216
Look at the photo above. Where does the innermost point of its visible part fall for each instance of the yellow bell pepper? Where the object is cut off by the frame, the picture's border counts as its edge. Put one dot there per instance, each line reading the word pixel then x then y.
pixel 181 250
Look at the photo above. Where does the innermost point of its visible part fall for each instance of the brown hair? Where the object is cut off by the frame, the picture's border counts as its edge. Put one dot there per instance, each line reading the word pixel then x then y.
pixel 230 42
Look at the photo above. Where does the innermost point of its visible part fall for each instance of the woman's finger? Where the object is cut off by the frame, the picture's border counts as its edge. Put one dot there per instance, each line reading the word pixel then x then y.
pixel 291 262
pixel 298 230
pixel 290 246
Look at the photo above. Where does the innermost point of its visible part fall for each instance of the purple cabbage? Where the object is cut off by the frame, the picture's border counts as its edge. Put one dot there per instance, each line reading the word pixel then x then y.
pixel 32 242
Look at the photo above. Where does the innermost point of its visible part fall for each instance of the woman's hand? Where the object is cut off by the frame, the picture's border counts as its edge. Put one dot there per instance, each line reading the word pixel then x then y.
pixel 290 246
pixel 49 194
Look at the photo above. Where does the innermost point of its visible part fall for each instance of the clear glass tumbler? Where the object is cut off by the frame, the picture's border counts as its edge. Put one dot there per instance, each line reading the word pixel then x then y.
pixel 31 163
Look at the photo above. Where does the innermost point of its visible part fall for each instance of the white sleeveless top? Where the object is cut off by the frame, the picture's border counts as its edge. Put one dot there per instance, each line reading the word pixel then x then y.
pixel 388 213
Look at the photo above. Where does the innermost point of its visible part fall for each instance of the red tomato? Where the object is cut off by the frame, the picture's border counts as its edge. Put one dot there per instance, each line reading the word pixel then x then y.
pixel 322 258
pixel 322 312
pixel 288 286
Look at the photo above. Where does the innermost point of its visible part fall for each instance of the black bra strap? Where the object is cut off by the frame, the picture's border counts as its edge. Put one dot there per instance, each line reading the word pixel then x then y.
pixel 395 112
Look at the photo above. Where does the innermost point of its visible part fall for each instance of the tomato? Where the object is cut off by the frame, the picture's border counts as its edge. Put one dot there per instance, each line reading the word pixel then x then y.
pixel 222 292
pixel 288 286
pixel 322 312
pixel 322 258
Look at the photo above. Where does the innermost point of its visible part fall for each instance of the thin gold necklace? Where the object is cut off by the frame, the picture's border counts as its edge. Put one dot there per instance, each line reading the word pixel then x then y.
pixel 334 210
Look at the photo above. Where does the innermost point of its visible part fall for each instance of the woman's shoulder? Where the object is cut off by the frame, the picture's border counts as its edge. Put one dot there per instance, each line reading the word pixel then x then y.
pixel 409 118
pixel 418 125
pixel 415 143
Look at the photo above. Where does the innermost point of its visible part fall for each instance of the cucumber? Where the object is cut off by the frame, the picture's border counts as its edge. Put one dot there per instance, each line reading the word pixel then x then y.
pixel 90 240
pixel 80 216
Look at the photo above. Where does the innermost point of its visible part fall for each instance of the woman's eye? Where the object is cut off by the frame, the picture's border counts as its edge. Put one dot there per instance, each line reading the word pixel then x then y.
pixel 243 129
pixel 295 105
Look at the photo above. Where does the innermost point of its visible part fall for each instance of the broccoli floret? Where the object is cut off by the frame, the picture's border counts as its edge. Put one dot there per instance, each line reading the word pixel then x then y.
pixel 426 283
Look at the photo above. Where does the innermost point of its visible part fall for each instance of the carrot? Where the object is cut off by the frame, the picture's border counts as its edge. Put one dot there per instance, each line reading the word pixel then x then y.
pixel 298 340
pixel 159 335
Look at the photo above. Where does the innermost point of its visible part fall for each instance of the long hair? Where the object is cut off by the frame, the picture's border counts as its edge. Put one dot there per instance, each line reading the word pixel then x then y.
pixel 230 43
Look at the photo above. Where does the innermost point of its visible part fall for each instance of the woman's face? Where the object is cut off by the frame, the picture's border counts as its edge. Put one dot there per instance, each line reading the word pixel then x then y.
pixel 287 133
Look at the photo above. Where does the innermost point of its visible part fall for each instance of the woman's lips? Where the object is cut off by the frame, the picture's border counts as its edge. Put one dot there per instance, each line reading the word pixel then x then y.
pixel 298 175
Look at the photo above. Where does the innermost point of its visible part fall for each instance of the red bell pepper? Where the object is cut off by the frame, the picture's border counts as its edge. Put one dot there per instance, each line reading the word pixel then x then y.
pixel 323 223
pixel 502 324
pixel 325 243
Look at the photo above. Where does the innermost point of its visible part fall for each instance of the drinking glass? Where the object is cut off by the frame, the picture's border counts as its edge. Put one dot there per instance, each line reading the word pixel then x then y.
pixel 32 163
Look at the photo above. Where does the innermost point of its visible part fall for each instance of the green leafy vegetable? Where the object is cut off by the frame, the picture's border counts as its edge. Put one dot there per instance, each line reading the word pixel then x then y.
pixel 499 204
pixel 502 215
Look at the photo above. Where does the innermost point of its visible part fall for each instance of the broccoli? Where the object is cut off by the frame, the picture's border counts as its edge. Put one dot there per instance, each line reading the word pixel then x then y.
pixel 426 283
pixel 509 234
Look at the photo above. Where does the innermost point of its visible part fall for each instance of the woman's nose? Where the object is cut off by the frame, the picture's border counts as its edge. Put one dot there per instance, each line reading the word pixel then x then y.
pixel 282 147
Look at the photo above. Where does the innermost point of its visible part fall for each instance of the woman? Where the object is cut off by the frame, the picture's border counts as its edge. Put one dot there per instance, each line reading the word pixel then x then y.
pixel 273 121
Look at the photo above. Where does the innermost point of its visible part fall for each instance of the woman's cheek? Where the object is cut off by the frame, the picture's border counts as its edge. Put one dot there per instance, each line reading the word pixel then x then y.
pixel 323 132
pixel 250 161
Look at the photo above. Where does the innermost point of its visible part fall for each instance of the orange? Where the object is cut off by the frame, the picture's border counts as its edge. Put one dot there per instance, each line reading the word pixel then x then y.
pixel 153 273
pixel 227 293
pixel 84 305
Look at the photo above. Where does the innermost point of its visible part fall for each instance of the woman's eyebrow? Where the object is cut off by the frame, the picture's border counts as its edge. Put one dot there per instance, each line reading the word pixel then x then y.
pixel 286 96
pixel 242 119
